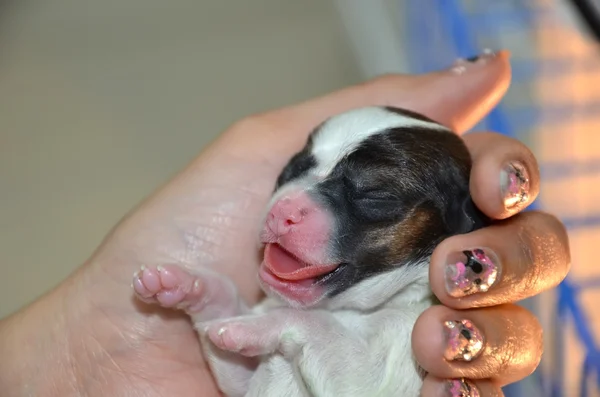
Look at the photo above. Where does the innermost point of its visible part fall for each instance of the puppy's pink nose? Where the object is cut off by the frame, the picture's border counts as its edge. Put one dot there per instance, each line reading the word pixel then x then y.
pixel 284 215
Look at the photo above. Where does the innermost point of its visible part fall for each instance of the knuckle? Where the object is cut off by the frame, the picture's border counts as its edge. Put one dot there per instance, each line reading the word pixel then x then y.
pixel 528 246
pixel 506 361
pixel 544 247
pixel 555 244
pixel 521 352
pixel 538 342
pixel 531 344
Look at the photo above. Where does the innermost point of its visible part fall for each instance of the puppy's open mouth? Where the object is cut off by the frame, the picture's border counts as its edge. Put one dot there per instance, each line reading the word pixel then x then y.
pixel 287 267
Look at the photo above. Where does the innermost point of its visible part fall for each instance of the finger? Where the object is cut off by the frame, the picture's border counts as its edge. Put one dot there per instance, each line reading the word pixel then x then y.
pixel 457 97
pixel 505 175
pixel 502 343
pixel 509 261
pixel 457 100
pixel 436 387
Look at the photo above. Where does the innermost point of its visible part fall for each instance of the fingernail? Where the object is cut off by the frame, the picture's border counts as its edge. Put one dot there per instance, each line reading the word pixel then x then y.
pixel 470 272
pixel 464 342
pixel 463 64
pixel 461 388
pixel 514 184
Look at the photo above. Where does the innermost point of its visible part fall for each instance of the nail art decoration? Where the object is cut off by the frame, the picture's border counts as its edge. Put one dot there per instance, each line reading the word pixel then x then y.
pixel 459 69
pixel 473 272
pixel 485 54
pixel 464 342
pixel 462 388
pixel 514 183
pixel 462 64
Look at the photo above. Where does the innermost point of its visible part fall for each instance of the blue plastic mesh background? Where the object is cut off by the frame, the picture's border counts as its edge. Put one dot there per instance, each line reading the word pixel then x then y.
pixel 436 31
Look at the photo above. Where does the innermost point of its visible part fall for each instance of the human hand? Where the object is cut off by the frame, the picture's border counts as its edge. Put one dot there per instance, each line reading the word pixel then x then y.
pixel 91 337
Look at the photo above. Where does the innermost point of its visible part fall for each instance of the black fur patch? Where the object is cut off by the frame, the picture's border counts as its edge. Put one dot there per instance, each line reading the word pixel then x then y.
pixel 390 178
pixel 299 165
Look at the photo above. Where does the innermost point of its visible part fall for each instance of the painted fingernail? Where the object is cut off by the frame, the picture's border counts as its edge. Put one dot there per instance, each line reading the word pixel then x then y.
pixel 470 272
pixel 514 184
pixel 462 64
pixel 464 342
pixel 462 388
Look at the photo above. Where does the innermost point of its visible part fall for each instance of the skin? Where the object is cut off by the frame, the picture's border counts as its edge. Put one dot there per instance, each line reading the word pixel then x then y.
pixel 90 337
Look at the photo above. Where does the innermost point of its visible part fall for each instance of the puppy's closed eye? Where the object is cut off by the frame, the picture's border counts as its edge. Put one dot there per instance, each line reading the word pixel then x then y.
pixel 363 190
pixel 378 206
pixel 376 195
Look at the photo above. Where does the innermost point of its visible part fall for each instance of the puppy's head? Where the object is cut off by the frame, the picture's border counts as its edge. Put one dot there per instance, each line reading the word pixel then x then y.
pixel 368 198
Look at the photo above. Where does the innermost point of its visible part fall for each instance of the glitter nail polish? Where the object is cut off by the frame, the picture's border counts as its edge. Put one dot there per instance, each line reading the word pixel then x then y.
pixel 471 272
pixel 514 185
pixel 462 388
pixel 462 64
pixel 484 56
pixel 464 342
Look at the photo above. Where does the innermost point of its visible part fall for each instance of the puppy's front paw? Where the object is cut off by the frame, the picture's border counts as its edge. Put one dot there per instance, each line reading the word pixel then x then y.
pixel 249 336
pixel 168 286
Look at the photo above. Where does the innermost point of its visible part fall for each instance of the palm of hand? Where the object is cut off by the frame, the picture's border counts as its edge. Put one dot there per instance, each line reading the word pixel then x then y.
pixel 207 218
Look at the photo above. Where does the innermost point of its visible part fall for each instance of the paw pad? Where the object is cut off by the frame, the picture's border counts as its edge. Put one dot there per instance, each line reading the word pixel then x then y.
pixel 169 286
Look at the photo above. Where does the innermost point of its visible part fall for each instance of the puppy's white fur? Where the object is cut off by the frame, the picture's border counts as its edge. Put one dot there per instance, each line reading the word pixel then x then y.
pixel 355 344
pixel 350 348
pixel 342 134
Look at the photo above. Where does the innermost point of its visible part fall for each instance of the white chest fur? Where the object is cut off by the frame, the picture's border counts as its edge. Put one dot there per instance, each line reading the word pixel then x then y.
pixel 359 354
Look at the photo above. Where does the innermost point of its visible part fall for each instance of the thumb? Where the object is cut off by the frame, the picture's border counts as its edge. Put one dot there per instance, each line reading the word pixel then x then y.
pixel 458 97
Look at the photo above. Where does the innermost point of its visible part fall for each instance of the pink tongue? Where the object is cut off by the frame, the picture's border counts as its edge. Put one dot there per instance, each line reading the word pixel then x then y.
pixel 286 267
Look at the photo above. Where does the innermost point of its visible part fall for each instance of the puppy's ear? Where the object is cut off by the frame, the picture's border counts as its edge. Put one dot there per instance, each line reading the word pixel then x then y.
pixel 464 216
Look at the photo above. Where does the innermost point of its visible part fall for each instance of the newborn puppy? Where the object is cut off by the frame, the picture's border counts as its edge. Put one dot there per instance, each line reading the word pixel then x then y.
pixel 347 237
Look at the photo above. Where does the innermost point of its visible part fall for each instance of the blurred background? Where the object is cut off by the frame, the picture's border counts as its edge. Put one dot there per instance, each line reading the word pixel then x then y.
pixel 103 101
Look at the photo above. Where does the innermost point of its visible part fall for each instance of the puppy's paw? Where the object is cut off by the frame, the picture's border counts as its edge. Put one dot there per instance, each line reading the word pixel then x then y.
pixel 249 336
pixel 169 286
